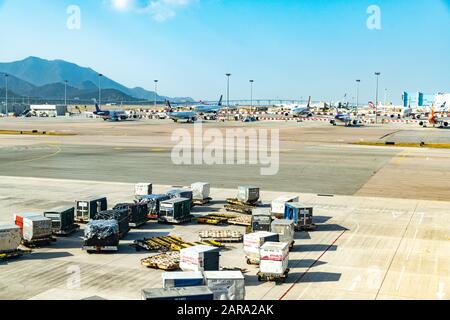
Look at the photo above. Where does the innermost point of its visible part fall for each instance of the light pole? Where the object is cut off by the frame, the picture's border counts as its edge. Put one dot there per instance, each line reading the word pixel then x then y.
pixel 385 96
pixel 65 93
pixel 6 93
pixel 251 93
pixel 99 90
pixel 357 93
pixel 228 89
pixel 376 100
pixel 156 91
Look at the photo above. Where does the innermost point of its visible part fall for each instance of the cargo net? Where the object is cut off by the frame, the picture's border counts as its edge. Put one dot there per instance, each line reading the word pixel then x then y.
pixel 101 229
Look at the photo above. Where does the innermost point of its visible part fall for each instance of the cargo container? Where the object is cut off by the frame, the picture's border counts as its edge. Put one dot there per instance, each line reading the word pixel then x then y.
pixel 137 213
pixel 121 216
pixel 153 202
pixel 180 193
pixel 63 220
pixel 143 189
pixel 301 215
pixel 279 204
pixel 36 228
pixel 200 190
pixel 261 219
pixel 10 238
pixel 85 210
pixel 248 194
pixel 18 218
pixel 177 210
pixel 226 285
pixel 274 259
pixel 182 279
pixel 201 293
pixel 101 235
pixel 254 241
pixel 286 230
pixel 199 258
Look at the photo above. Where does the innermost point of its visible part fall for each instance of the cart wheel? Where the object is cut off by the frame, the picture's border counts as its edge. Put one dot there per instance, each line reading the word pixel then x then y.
pixel 260 279
pixel 249 262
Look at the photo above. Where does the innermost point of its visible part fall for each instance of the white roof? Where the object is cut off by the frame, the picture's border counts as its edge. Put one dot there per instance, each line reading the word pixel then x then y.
pixel 182 275
pixel 43 107
pixel 199 249
pixel 274 246
pixel 223 275
pixel 285 198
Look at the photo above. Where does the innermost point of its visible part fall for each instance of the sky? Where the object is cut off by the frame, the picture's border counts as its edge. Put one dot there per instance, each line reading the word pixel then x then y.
pixel 290 48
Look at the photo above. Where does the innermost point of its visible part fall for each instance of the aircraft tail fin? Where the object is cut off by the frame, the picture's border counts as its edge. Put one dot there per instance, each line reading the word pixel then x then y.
pixel 220 100
pixel 169 106
pixel 97 108
pixel 309 102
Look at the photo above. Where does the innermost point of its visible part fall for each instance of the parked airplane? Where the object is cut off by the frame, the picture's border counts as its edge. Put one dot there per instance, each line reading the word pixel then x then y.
pixel 435 120
pixel 189 116
pixel 348 119
pixel 210 108
pixel 302 110
pixel 111 115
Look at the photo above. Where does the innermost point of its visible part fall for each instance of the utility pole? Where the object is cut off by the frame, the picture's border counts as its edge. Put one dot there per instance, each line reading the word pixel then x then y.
pixel 357 93
pixel 6 93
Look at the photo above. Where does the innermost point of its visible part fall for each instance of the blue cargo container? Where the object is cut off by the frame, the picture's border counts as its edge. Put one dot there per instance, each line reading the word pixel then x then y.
pixel 301 215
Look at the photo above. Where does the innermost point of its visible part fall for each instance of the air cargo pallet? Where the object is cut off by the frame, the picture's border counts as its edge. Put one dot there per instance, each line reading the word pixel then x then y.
pixel 174 221
pixel 82 221
pixel 38 242
pixel 200 202
pixel 137 224
pixel 252 261
pixel 280 278
pixel 67 231
pixel 99 249
pixel 222 240
pixel 13 254
pixel 311 227
pixel 169 261
pixel 211 220
pixel 239 208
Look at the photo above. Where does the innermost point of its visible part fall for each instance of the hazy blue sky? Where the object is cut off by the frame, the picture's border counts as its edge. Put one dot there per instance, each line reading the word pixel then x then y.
pixel 291 48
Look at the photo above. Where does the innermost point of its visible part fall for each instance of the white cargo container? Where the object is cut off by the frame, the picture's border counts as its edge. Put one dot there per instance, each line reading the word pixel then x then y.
pixel 226 285
pixel 200 190
pixel 10 238
pixel 199 258
pixel 254 241
pixel 143 189
pixel 274 258
pixel 279 204
pixel 35 228
pixel 182 279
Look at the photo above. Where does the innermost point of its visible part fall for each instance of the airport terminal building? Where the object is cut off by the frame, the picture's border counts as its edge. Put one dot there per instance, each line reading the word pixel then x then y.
pixel 420 99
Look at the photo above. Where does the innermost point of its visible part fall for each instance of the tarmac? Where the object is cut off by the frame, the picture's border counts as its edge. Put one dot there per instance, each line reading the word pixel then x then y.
pixel 382 212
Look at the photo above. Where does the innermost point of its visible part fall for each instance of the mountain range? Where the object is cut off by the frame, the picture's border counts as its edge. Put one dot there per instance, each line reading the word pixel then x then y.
pixel 40 78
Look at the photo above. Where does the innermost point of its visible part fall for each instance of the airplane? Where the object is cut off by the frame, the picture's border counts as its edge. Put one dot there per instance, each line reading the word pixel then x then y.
pixel 303 110
pixel 111 115
pixel 211 108
pixel 347 118
pixel 176 116
pixel 435 120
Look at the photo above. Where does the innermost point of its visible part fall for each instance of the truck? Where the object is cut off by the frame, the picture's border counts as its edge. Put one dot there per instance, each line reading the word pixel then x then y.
pixel 176 211
pixel 85 210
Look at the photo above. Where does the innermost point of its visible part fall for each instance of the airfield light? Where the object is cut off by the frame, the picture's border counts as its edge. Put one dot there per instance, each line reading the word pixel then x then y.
pixel 156 91
pixel 228 89
pixel 6 93
pixel 376 105
pixel 99 90
pixel 251 93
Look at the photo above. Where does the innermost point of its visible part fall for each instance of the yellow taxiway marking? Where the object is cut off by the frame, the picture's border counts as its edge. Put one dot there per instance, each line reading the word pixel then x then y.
pixel 52 145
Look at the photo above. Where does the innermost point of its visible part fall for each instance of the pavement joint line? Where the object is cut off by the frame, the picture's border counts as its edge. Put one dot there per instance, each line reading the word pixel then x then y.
pixel 396 251
pixel 311 266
